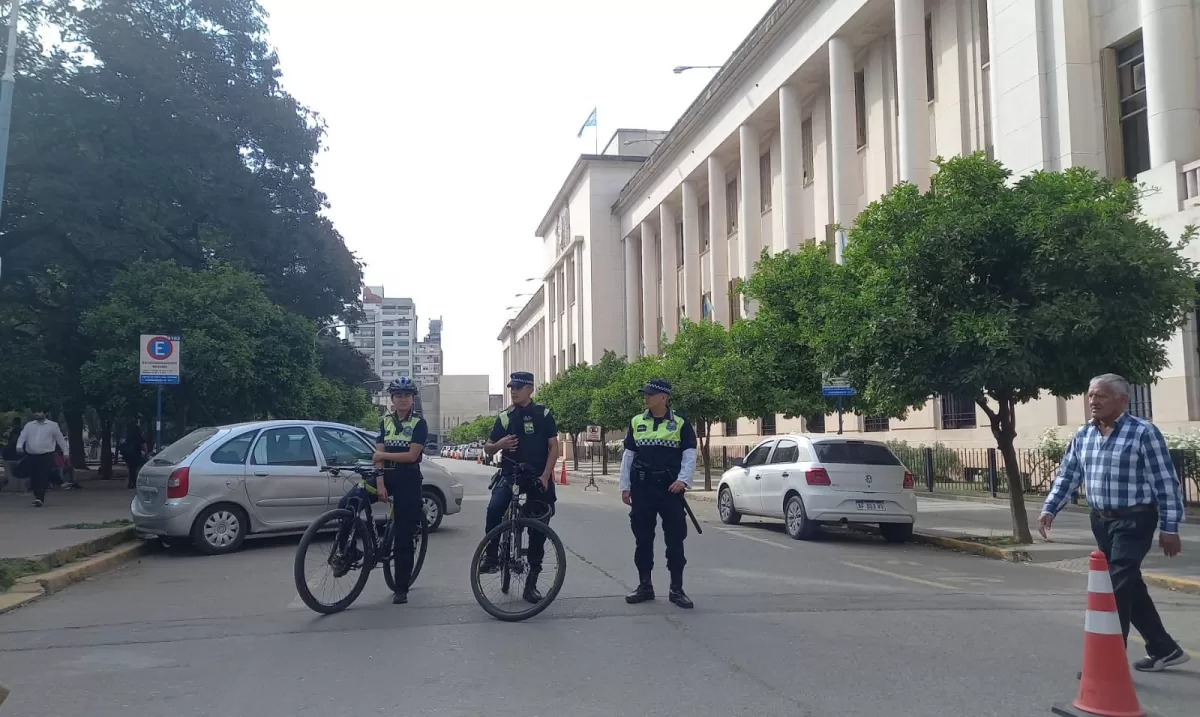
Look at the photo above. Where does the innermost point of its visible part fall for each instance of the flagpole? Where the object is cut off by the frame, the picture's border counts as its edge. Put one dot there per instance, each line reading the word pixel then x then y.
pixel 596 132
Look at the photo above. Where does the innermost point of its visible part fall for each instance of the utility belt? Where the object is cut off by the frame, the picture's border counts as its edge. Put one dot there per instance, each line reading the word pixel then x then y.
pixel 653 477
pixel 1117 513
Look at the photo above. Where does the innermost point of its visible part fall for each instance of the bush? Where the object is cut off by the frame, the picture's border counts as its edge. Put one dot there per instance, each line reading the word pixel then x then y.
pixel 947 464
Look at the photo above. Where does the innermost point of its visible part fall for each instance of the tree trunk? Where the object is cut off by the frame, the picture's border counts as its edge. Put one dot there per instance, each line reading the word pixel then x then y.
pixel 575 449
pixel 106 454
pixel 707 463
pixel 1004 429
pixel 73 415
pixel 603 453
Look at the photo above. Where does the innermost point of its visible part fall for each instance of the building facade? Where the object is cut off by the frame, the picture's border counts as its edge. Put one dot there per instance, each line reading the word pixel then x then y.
pixel 523 340
pixel 462 399
pixel 828 104
pixel 428 359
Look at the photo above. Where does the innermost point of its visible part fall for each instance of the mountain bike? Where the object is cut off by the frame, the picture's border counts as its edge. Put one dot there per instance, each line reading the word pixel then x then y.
pixel 359 544
pixel 523 528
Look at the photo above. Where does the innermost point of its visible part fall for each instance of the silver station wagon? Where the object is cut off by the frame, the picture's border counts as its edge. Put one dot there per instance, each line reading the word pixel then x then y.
pixel 215 486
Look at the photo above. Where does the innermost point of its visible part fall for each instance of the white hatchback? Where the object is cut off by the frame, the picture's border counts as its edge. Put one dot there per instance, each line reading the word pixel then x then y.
pixel 808 480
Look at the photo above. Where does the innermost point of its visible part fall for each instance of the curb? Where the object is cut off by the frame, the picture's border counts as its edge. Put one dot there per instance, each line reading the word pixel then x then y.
pixel 71 553
pixel 1010 555
pixel 698 497
pixel 32 587
pixel 1173 582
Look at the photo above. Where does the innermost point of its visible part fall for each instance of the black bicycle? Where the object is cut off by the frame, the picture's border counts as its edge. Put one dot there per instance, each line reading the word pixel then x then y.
pixel 359 543
pixel 522 539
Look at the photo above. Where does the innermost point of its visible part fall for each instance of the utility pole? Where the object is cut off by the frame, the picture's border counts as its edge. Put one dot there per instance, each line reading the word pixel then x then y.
pixel 8 83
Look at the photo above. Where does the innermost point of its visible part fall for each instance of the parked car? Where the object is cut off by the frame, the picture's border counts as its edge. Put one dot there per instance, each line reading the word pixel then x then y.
pixel 472 452
pixel 810 480
pixel 215 486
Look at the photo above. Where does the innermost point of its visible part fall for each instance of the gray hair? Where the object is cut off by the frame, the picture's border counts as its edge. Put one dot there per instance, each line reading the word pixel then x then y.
pixel 1118 383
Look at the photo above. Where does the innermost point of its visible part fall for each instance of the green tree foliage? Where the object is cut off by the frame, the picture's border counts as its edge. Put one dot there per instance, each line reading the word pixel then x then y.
pixel 615 402
pixel 704 374
pixel 569 396
pixel 991 290
pixel 473 431
pixel 164 135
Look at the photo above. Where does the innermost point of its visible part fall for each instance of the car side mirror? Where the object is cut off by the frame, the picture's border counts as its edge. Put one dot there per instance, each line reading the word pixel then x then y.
pixel 739 462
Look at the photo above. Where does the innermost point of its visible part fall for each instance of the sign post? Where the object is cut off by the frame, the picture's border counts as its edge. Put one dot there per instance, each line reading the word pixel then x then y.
pixel 594 436
pixel 838 386
pixel 158 358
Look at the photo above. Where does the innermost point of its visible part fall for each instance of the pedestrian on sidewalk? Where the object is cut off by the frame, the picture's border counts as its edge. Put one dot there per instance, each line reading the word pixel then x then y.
pixel 37 441
pixel 133 452
pixel 10 454
pixel 656 471
pixel 1132 488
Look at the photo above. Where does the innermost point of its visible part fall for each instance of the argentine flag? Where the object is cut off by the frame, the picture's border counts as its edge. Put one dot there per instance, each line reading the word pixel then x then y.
pixel 589 122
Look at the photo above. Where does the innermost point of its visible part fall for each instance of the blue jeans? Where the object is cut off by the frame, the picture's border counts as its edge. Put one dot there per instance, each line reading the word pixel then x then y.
pixel 497 505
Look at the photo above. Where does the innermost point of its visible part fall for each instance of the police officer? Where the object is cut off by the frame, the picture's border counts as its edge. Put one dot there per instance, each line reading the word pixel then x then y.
pixel 659 460
pixel 528 436
pixel 399 448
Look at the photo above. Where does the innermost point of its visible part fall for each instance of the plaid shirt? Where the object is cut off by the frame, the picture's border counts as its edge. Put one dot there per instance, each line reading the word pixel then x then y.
pixel 1128 467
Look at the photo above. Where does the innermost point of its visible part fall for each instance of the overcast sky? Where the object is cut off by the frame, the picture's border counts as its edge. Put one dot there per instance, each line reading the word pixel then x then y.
pixel 451 132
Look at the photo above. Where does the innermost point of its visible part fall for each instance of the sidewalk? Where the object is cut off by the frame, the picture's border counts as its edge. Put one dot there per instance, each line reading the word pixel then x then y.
pixel 26 531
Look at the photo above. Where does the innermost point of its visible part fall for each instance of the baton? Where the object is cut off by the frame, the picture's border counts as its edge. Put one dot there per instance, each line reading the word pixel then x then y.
pixel 691 515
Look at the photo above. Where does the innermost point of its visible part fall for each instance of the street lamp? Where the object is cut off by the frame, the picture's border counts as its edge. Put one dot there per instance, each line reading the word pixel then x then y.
pixel 684 68
pixel 628 142
pixel 7 84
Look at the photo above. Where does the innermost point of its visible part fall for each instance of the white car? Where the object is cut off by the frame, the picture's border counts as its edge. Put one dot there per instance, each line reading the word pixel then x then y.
pixel 808 480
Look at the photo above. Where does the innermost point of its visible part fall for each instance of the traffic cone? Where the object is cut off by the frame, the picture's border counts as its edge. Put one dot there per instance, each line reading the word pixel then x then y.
pixel 563 479
pixel 1105 685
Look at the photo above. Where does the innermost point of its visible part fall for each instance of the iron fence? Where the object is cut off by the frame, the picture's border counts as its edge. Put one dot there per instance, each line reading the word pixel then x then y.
pixel 983 470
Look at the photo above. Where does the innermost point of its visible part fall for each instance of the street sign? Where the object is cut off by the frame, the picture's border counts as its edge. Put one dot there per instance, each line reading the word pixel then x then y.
pixel 593 434
pixel 836 386
pixel 159 359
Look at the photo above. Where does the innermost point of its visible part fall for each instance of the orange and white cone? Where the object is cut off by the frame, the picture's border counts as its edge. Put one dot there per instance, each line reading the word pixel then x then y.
pixel 1105 685
pixel 563 476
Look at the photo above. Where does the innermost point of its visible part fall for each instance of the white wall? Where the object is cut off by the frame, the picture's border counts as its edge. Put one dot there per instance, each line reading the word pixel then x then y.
pixel 462 398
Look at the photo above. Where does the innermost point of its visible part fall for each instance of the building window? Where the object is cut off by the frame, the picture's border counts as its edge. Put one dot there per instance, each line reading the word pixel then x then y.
pixel 766 425
pixel 876 424
pixel 705 225
pixel 402 333
pixel 1140 404
pixel 679 248
pixel 731 428
pixel 930 72
pixel 806 151
pixel 815 424
pixel 1135 128
pixel 731 207
pixel 572 356
pixel 389 333
pixel 764 182
pixel 734 304
pixel 706 305
pixel 957 412
pixel 860 107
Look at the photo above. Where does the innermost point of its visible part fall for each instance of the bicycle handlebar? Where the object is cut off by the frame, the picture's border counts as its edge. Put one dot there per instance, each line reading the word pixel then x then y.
pixel 366 471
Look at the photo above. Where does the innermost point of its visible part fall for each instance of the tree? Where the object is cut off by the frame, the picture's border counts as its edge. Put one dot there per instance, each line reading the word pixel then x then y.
pixel 997 291
pixel 606 370
pixel 776 371
pixel 704 375
pixel 617 401
pixel 473 431
pixel 569 396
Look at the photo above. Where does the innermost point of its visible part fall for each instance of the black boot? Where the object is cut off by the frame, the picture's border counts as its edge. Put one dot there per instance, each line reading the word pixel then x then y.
pixel 677 595
pixel 643 593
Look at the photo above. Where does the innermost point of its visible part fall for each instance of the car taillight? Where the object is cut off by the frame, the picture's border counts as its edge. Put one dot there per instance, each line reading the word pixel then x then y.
pixel 908 480
pixel 817 476
pixel 177 484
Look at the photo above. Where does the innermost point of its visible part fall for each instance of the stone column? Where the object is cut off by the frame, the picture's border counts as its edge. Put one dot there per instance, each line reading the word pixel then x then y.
pixel 691 250
pixel 649 288
pixel 718 244
pixel 913 94
pixel 670 269
pixel 792 166
pixel 1172 95
pixel 750 212
pixel 842 131
pixel 632 289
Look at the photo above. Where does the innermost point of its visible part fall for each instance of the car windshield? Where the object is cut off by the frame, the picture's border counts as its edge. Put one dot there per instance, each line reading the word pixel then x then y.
pixel 857 452
pixel 183 448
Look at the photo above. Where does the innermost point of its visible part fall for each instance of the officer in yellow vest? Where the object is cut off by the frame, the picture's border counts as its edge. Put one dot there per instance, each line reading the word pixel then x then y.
pixel 656 470
pixel 399 448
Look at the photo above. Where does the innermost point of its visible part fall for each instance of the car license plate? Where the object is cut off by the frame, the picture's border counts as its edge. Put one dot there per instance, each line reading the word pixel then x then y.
pixel 870 505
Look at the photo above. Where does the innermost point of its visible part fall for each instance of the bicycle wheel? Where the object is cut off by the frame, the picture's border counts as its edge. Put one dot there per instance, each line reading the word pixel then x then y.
pixel 514 606
pixel 355 555
pixel 420 546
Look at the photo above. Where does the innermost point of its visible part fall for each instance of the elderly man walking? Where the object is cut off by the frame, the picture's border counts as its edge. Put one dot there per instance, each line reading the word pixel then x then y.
pixel 1132 489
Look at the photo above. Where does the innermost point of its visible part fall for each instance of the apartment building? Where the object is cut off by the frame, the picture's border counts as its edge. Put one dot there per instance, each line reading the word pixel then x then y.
pixel 826 105
pixel 427 356
pixel 386 336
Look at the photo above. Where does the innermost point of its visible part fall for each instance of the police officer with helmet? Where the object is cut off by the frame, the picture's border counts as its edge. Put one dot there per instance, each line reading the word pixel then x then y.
pixel 528 436
pixel 656 470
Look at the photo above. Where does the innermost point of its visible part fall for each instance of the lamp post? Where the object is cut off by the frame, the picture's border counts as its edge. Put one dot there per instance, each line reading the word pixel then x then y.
pixel 679 70
pixel 7 84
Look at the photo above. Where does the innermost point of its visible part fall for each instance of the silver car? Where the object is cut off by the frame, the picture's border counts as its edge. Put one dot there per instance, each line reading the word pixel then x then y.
pixel 217 485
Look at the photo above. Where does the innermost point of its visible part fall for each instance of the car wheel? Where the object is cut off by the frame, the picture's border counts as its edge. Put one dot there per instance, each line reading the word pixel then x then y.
pixel 796 520
pixel 896 532
pixel 220 529
pixel 434 509
pixel 725 507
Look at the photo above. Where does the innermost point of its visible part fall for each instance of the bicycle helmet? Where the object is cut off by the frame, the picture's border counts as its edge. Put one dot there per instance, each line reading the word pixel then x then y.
pixel 404 384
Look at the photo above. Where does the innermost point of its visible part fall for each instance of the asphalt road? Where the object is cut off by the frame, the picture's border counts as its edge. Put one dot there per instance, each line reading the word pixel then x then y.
pixel 843 626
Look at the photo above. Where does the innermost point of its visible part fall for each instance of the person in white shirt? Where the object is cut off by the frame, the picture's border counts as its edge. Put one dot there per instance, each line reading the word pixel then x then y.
pixel 37 441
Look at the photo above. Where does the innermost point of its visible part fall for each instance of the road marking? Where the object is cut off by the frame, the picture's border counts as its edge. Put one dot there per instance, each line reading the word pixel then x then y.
pixel 756 539
pixel 898 576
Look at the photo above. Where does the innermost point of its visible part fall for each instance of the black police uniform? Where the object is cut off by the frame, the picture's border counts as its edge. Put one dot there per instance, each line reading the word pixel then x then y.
pixel 656 465
pixel 403 483
pixel 534 426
